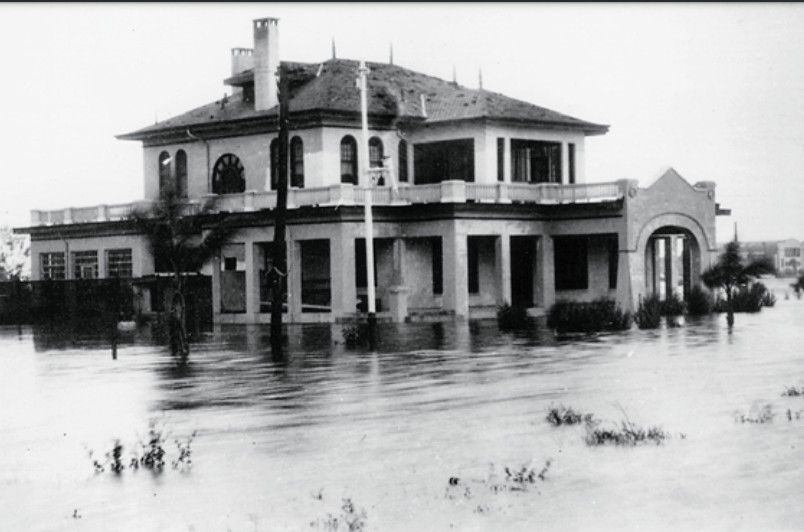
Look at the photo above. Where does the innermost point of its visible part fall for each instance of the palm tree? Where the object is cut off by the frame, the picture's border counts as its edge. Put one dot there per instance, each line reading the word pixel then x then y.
pixel 731 272
pixel 175 236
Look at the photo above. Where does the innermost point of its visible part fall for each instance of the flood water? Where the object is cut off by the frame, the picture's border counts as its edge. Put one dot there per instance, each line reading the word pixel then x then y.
pixel 280 444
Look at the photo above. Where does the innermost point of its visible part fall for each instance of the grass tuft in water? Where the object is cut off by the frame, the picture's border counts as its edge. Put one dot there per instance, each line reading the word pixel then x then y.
pixel 151 456
pixel 355 334
pixel 350 519
pixel 626 434
pixel 793 391
pixel 562 415
pixel 757 414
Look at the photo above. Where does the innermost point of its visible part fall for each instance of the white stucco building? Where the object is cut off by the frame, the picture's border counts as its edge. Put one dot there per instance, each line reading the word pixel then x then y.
pixel 484 201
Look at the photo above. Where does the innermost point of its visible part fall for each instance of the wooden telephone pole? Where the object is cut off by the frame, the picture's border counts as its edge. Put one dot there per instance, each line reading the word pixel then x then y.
pixel 278 273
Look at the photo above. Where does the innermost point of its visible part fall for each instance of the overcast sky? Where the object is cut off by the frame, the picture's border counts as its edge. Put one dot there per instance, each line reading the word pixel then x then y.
pixel 715 91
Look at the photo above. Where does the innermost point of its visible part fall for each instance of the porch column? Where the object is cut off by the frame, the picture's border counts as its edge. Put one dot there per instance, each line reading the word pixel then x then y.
pixel 632 272
pixel 456 275
pixel 502 258
pixel 252 282
pixel 294 280
pixel 545 273
pixel 342 272
pixel 216 286
pixel 398 289
pixel 669 271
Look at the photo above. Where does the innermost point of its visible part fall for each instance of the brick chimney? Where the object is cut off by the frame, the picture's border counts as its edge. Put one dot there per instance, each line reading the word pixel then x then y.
pixel 266 63
pixel 242 60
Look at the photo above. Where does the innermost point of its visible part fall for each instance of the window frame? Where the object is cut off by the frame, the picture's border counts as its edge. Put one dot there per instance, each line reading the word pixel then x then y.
pixel 348 141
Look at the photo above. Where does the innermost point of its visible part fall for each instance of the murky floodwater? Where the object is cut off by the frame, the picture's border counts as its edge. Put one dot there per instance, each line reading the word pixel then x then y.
pixel 281 443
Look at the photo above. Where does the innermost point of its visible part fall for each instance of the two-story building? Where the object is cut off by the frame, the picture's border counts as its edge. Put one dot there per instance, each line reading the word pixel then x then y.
pixel 483 200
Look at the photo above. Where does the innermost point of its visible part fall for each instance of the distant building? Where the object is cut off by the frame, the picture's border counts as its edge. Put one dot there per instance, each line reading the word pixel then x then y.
pixel 482 200
pixel 786 255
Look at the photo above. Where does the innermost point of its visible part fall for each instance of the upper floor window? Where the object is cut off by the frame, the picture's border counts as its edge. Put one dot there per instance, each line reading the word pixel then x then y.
pixel 181 174
pixel 792 252
pixel 349 160
pixel 534 161
pixel 296 162
pixel 228 175
pixel 164 172
pixel 375 152
pixel 403 161
pixel 445 160
pixel 571 162
pixel 274 164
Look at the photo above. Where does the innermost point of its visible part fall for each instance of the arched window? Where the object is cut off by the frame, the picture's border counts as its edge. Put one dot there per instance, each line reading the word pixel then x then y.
pixel 375 157
pixel 228 176
pixel 349 160
pixel 274 164
pixel 181 174
pixel 375 152
pixel 403 161
pixel 164 172
pixel 296 162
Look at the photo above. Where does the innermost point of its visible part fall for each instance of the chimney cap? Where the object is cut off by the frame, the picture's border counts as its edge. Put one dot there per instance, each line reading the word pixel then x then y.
pixel 260 22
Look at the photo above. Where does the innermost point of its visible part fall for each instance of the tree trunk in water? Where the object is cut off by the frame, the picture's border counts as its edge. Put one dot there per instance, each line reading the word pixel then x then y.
pixel 279 271
pixel 729 310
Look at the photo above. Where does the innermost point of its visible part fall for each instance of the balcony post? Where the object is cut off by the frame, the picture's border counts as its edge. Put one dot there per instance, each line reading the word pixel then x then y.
pixel 36 217
pixel 68 215
pixel 248 201
pixel 453 191
pixel 103 213
pixel 503 193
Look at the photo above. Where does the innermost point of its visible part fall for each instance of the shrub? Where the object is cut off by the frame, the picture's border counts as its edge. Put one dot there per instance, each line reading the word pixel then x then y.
pixel 600 315
pixel 649 313
pixel 354 335
pixel 769 299
pixel 748 298
pixel 511 318
pixel 673 306
pixel 757 414
pixel 626 434
pixel 700 301
pixel 562 415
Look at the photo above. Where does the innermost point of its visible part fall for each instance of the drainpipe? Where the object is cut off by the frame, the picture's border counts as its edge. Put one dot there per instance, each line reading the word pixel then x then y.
pixel 195 137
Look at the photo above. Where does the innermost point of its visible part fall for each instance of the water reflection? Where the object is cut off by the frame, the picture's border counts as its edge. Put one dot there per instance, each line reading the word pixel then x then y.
pixel 388 427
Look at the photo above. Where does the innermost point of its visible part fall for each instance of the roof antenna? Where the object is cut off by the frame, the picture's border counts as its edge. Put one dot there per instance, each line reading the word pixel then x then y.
pixel 454 75
pixel 334 55
pixel 480 79
pixel 391 58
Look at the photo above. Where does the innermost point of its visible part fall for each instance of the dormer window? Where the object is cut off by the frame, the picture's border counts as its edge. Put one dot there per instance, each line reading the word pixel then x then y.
pixel 228 175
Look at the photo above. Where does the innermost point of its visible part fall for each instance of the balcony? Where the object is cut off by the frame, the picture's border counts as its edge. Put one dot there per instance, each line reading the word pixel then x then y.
pixel 337 195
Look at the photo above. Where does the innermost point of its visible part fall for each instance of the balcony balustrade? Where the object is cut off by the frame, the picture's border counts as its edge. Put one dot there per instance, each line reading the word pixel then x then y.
pixel 345 194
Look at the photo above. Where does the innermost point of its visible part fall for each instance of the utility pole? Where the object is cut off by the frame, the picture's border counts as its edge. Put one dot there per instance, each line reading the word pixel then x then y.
pixel 368 183
pixel 279 270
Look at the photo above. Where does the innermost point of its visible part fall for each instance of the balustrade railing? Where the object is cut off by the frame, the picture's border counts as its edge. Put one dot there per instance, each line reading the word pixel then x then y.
pixel 346 194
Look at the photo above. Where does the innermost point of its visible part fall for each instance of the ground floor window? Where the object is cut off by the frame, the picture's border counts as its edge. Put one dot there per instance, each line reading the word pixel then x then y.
pixel 438 265
pixel 118 263
pixel 85 264
pixel 233 278
pixel 316 293
pixel 571 256
pixel 52 265
pixel 534 161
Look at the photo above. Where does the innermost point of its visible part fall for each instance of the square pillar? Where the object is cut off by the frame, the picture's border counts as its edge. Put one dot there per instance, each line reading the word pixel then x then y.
pixel 456 275
pixel 294 280
pixel 502 258
pixel 252 282
pixel 342 272
pixel 545 273
pixel 398 291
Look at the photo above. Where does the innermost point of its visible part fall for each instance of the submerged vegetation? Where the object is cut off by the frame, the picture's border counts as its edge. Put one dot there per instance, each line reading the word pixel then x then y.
pixel 511 317
pixel 626 434
pixel 562 415
pixel 149 454
pixel 602 314
pixel 649 313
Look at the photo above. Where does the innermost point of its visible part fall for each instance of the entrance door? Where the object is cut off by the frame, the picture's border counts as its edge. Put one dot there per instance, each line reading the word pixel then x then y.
pixel 523 265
